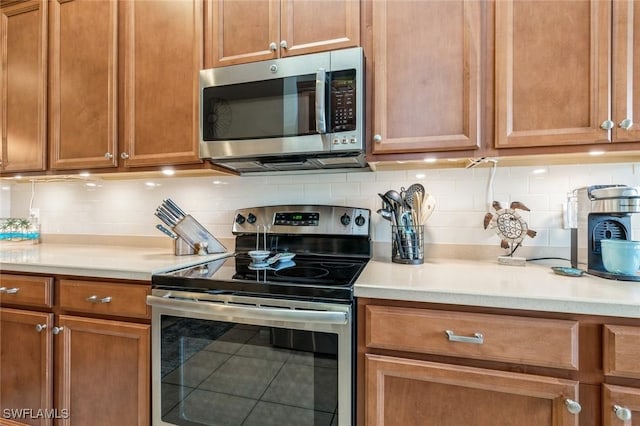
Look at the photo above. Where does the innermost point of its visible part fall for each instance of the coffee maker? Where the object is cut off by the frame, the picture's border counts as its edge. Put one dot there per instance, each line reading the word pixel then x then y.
pixel 601 212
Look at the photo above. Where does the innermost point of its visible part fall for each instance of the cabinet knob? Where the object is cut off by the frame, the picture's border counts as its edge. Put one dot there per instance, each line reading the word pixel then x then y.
pixel 40 327
pixel 273 46
pixel 572 406
pixel 57 330
pixel 625 124
pixel 124 155
pixel 607 125
pixel 622 413
pixel 108 155
pixel 284 44
pixel 377 138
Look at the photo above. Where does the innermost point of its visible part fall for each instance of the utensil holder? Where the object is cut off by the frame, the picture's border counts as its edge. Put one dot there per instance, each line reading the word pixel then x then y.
pixel 407 244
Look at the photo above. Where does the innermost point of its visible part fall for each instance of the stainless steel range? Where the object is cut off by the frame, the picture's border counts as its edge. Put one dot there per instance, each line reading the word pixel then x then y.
pixel 266 336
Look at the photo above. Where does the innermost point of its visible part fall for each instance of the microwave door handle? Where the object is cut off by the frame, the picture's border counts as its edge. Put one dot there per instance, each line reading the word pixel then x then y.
pixel 321 124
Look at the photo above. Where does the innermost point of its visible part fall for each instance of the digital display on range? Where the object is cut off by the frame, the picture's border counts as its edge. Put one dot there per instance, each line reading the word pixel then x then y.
pixel 297 219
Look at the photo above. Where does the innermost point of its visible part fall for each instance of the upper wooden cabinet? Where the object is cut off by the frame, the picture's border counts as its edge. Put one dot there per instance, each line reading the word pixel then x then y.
pixel 162 51
pixel 83 90
pixel 247 31
pixel 426 83
pixel 553 72
pixel 23 85
pixel 626 70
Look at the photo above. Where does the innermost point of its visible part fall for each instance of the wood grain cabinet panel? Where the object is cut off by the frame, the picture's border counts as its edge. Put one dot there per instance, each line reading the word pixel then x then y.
pixel 83 64
pixel 162 45
pixel 127 300
pixel 626 70
pixel 103 371
pixel 406 392
pixel 621 406
pixel 26 290
pixel 567 72
pixel 426 63
pixel 621 355
pixel 247 31
pixel 542 342
pixel 23 85
pixel 26 366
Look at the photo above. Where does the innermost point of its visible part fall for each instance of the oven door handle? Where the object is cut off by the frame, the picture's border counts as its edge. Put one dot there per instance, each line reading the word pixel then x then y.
pixel 258 312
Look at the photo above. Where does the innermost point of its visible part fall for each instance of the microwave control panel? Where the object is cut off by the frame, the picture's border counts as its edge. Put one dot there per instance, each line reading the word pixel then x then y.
pixel 343 101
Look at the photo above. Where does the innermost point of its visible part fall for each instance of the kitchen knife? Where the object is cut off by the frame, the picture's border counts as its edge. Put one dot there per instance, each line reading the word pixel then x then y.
pixel 166 231
pixel 173 209
pixel 169 214
pixel 164 218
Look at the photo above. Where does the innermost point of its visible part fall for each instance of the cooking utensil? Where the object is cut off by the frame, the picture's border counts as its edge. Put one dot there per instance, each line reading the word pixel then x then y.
pixel 386 214
pixel 166 231
pixel 164 218
pixel 188 229
pixel 427 207
pixel 173 208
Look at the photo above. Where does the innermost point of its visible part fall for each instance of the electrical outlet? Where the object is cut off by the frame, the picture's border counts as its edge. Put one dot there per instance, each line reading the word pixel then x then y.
pixel 34 213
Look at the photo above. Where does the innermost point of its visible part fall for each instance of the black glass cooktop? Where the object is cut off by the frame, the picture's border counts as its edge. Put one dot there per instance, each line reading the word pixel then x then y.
pixel 304 277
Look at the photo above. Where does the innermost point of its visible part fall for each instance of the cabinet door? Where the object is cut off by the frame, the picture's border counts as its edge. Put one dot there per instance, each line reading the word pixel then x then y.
pixel 621 406
pixel 103 371
pixel 23 85
pixel 162 59
pixel 83 83
pixel 552 72
pixel 26 381
pixel 405 392
pixel 242 31
pixel 426 75
pixel 309 26
pixel 626 66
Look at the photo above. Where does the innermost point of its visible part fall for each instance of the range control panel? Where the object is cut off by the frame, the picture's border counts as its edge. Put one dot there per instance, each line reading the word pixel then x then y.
pixel 303 219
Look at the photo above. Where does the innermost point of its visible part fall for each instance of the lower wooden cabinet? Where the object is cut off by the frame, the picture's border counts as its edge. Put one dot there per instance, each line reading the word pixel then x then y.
pixel 67 364
pixel 621 406
pixel 26 366
pixel 405 392
pixel 102 371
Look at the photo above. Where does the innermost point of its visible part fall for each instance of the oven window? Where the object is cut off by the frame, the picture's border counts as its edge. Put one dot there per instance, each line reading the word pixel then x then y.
pixel 262 109
pixel 219 373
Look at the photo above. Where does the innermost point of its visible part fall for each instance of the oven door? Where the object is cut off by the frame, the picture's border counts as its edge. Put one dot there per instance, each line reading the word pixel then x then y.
pixel 229 360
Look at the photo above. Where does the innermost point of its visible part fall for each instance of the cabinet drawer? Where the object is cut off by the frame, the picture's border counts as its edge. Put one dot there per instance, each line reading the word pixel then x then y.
pixel 532 341
pixel 26 290
pixel 128 300
pixel 621 349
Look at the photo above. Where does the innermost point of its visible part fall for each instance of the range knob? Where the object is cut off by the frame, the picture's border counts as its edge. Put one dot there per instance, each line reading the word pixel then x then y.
pixel 360 220
pixel 251 218
pixel 240 219
pixel 345 219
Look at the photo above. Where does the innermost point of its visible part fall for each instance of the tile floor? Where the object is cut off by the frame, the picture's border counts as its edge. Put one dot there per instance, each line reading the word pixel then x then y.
pixel 241 379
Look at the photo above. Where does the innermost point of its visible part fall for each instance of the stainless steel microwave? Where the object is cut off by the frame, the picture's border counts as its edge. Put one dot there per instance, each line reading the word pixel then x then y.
pixel 298 113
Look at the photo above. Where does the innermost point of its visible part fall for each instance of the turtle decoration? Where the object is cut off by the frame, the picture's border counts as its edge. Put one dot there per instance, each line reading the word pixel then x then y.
pixel 509 225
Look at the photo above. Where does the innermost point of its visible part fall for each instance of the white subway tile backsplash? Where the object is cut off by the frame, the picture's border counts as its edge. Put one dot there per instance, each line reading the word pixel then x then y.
pixel 126 207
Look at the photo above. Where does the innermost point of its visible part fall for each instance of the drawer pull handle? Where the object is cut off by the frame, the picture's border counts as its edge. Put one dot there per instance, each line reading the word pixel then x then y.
pixel 96 299
pixel 573 407
pixel 40 327
pixel 477 338
pixel 57 330
pixel 13 290
pixel 622 413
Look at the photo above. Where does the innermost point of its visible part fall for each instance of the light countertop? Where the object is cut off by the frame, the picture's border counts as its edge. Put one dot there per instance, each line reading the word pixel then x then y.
pixel 488 284
pixel 449 281
pixel 101 261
